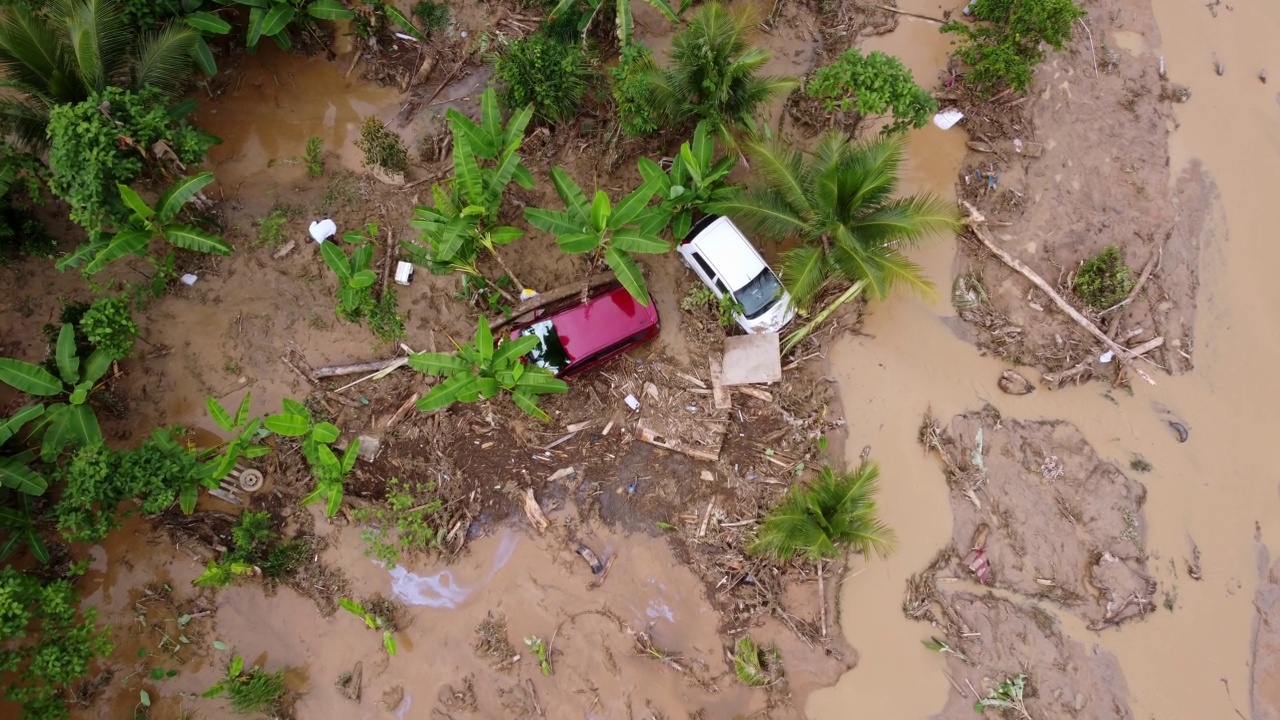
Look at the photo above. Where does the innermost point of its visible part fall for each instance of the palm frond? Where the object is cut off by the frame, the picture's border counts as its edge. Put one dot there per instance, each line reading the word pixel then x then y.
pixel 836 510
pixel 34 60
pixel 783 171
pixel 26 121
pixel 896 270
pixel 854 261
pixel 871 174
pixel 98 38
pixel 164 59
pixel 764 211
pixel 804 272
pixel 906 221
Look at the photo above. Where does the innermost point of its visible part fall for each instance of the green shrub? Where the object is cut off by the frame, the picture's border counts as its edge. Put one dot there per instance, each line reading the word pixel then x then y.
pixel 431 15
pixel 252 691
pixel 630 91
pixel 872 85
pixel 91 151
pixel 382 147
pixel 109 325
pixel 255 542
pixel 149 14
pixel 1004 47
pixel 1104 280
pixel 46 644
pixel 551 74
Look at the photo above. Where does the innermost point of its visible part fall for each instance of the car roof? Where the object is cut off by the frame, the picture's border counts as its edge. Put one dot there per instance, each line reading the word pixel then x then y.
pixel 604 320
pixel 724 247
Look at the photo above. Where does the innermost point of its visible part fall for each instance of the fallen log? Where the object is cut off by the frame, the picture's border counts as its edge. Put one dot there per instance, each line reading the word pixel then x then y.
pixel 977 222
pixel 354 368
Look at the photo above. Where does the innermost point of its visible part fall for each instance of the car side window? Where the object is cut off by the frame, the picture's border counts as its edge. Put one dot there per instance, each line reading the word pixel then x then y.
pixel 705 267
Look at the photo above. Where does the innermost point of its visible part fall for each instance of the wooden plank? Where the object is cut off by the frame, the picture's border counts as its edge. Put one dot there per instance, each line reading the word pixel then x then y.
pixel 721 396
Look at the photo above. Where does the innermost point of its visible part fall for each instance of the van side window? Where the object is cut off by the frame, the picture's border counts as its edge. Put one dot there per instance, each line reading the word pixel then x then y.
pixel 720 286
pixel 711 274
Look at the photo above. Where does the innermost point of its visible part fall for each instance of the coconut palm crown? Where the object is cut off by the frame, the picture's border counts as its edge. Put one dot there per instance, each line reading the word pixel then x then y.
pixel 821 519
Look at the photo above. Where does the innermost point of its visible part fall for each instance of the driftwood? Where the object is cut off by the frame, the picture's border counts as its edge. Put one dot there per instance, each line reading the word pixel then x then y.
pixel 534 512
pixel 977 222
pixel 918 16
pixel 352 369
pixel 550 297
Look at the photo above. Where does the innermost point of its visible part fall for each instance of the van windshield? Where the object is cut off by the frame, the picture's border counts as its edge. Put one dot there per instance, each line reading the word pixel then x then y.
pixel 759 295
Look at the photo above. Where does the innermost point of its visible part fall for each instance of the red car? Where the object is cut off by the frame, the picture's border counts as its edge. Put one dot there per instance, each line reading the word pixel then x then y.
pixel 576 336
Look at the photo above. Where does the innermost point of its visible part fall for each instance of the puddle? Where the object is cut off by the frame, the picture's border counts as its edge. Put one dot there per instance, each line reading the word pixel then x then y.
pixel 441 590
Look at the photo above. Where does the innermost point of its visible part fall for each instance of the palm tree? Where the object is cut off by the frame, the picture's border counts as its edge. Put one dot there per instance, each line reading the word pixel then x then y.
pixel 713 72
pixel 818 521
pixel 75 48
pixel 838 203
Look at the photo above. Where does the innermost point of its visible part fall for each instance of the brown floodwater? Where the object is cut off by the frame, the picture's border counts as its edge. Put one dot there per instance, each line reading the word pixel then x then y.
pixel 1193 662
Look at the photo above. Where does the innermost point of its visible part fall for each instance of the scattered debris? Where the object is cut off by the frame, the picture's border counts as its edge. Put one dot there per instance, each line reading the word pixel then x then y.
pixel 392 697
pixel 534 512
pixel 1193 564
pixel 750 359
pixel 1180 429
pixel 1219 67
pixel 404 272
pixel 948 118
pixel 349 683
pixel 1262 75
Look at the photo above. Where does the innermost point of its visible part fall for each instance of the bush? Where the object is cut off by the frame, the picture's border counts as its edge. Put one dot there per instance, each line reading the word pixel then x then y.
pixel 90 151
pixel 46 644
pixel 1006 47
pixel 382 147
pixel 108 325
pixel 149 14
pixel 1104 280
pixel 431 15
pixel 873 85
pixel 550 73
pixel 255 543
pixel 250 692
pixel 630 92
pixel 22 233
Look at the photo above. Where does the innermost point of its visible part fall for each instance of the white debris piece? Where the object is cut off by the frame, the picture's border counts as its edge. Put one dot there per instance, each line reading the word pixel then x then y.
pixel 322 230
pixel 947 118
pixel 404 271
pixel 190 279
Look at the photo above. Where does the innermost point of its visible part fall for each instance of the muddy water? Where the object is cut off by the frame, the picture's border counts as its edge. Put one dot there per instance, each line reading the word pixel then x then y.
pixel 1193 662
pixel 277 101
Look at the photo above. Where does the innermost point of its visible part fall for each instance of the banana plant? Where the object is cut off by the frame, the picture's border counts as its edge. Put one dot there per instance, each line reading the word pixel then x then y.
pixel 206 23
pixel 15 469
pixel 71 421
pixel 271 18
pixel 371 621
pixel 220 461
pixel 18 526
pixel 624 25
pixel 355 279
pixel 600 228
pixel 330 471
pixel 481 370
pixel 147 222
pixel 296 422
pixel 485 161
pixel 693 181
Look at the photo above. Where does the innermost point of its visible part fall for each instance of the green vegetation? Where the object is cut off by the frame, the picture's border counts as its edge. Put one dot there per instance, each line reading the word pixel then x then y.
pixel 1006 696
pixel 837 203
pixel 108 325
pixel 46 643
pixel 600 229
pixel 819 520
pixel 252 691
pixel 481 370
pixel 402 522
pixel 382 147
pixel 545 72
pixel 272 228
pixel 540 651
pixel 631 92
pixel 75 51
pixel 754 665
pixel 1007 44
pixel 355 285
pixel 726 307
pixel 374 622
pixel 431 15
pixel 23 234
pixel 255 546
pixel 624 26
pixel 713 73
pixel 873 85
pixel 271 18
pixel 315 440
pixel 694 182
pixel 464 218
pixel 89 161
pixel 1104 280
pixel 313 156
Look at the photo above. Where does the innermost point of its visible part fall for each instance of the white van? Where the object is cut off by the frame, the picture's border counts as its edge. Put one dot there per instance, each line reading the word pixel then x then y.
pixel 722 257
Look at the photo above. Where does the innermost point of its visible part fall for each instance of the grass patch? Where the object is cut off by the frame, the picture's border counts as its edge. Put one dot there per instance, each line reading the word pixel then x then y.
pixel 1104 280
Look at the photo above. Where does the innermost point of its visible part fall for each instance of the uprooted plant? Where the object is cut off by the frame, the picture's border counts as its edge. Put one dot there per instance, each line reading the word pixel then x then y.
pixel 481 370
pixel 541 652
pixel 373 621
pixel 465 216
pixel 1104 280
pixel 601 229
pixel 755 665
pixel 1006 696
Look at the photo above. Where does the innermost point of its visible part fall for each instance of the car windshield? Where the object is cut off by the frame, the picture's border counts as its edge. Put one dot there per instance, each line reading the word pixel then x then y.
pixel 759 295
pixel 549 352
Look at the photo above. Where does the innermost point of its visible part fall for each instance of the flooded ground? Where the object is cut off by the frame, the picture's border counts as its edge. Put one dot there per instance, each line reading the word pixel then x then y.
pixel 1193 661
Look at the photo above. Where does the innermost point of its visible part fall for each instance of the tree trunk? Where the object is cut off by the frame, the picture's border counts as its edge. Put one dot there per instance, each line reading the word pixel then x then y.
pixel 795 337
